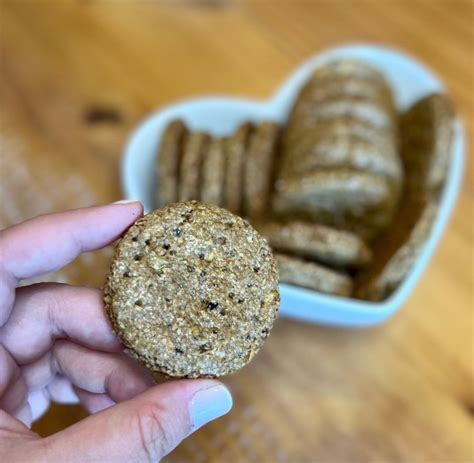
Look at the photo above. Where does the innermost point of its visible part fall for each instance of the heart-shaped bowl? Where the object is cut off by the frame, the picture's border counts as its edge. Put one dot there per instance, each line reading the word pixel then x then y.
pixel 220 116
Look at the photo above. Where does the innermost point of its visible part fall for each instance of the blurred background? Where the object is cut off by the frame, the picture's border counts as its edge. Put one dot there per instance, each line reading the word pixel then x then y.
pixel 77 75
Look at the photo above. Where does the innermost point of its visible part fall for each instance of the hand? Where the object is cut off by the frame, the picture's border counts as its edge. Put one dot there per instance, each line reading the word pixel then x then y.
pixel 56 343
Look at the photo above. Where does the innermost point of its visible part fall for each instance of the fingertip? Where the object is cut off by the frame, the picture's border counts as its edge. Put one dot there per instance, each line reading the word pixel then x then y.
pixel 206 399
pixel 39 402
pixel 132 204
pixel 209 403
pixel 129 210
pixel 7 296
pixel 127 201
pixel 24 414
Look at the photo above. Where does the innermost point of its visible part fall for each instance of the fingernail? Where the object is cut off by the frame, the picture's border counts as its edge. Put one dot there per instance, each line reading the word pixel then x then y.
pixel 209 404
pixel 126 201
pixel 24 414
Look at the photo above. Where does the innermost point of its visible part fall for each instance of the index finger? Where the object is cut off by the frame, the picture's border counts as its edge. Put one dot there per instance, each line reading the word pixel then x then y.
pixel 49 242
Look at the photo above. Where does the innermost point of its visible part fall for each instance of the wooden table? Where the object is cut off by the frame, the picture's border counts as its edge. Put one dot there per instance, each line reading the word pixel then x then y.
pixel 76 76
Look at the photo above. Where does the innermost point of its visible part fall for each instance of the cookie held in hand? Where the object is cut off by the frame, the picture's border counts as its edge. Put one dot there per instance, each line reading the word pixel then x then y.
pixel 192 290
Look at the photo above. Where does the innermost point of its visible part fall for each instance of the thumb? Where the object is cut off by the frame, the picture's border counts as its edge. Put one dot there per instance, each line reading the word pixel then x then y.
pixel 143 429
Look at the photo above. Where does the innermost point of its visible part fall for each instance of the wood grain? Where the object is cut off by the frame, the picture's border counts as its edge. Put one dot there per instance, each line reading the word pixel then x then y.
pixel 76 76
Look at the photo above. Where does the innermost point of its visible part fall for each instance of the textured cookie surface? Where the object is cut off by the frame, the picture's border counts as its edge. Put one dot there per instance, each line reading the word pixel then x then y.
pixel 427 136
pixel 349 68
pixel 212 173
pixel 361 108
pixel 341 126
pixel 312 240
pixel 168 163
pixel 350 86
pixel 235 149
pixel 343 150
pixel 348 199
pixel 313 276
pixel 194 146
pixel 192 290
pixel 258 169
pixel 397 251
pixel 342 191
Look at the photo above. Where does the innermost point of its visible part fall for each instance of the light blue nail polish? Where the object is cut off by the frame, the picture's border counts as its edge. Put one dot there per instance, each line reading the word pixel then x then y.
pixel 126 201
pixel 209 404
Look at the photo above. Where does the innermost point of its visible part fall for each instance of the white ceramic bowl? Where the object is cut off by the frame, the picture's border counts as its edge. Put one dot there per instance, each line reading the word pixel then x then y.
pixel 410 81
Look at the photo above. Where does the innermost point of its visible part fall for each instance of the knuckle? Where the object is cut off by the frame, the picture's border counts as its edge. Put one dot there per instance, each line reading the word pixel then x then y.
pixel 46 295
pixel 155 436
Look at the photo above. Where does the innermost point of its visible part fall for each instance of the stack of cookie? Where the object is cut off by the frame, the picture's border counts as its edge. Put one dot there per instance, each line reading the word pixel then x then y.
pixel 339 160
pixel 234 172
pixel 316 256
pixel 355 189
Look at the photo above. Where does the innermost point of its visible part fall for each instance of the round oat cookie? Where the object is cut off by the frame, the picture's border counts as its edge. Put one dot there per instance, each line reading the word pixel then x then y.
pixel 341 126
pixel 339 190
pixel 258 169
pixel 315 94
pixel 349 68
pixel 363 109
pixel 315 151
pixel 192 290
pixel 296 271
pixel 427 131
pixel 397 250
pixel 194 146
pixel 317 90
pixel 235 150
pixel 168 163
pixel 312 240
pixel 212 173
